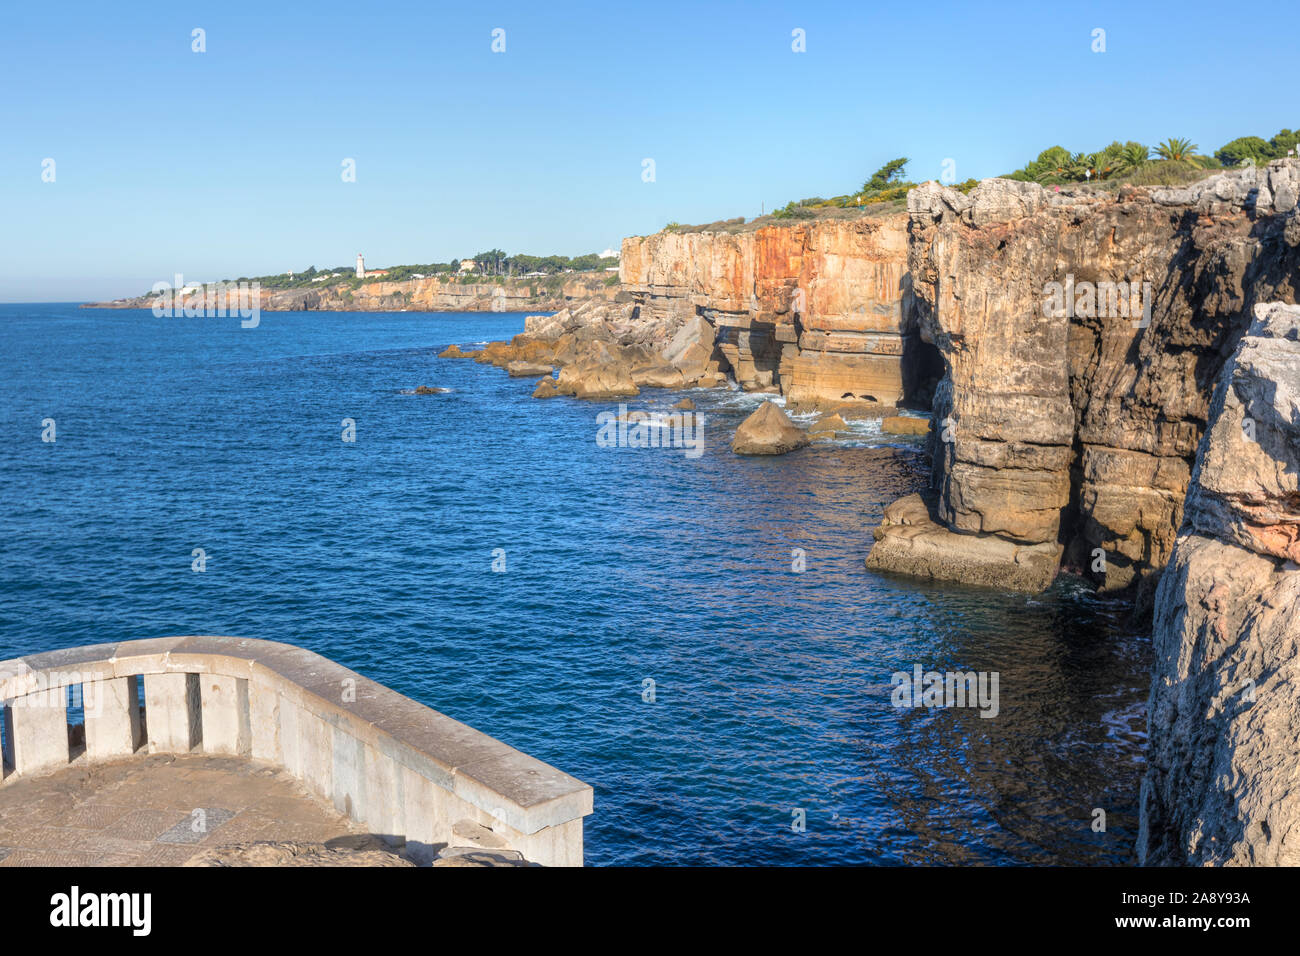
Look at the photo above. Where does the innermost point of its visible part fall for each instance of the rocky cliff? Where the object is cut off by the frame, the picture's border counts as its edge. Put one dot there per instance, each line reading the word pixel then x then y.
pixel 1081 333
pixel 1221 785
pixel 814 310
pixel 414 295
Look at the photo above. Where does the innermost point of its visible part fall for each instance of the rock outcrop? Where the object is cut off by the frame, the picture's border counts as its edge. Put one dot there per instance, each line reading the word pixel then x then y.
pixel 910 541
pixel 1081 333
pixel 768 431
pixel 605 350
pixel 1222 784
pixel 521 368
pixel 814 310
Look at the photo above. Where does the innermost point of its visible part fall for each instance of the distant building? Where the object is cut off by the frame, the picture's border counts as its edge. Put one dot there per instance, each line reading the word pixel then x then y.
pixel 610 254
pixel 468 265
pixel 361 269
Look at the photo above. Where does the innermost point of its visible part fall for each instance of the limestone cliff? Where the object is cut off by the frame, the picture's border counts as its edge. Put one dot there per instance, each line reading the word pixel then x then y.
pixel 1221 785
pixel 1062 419
pixel 415 295
pixel 815 310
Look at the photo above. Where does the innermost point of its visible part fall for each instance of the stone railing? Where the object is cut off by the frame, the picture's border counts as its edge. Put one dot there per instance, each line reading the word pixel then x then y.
pixel 407 772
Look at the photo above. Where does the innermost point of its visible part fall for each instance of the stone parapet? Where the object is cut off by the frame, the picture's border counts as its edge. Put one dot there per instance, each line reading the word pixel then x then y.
pixel 406 771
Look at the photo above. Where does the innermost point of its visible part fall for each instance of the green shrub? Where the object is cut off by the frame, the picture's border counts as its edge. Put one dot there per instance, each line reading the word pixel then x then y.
pixel 1251 148
pixel 1165 172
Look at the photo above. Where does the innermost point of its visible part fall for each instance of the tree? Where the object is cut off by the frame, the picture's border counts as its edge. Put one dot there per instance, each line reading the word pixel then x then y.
pixel 1133 156
pixel 890 174
pixel 1084 166
pixel 1284 141
pixel 1244 148
pixel 1178 150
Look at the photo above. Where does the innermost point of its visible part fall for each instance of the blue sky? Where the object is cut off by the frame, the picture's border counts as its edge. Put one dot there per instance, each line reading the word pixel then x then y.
pixel 228 162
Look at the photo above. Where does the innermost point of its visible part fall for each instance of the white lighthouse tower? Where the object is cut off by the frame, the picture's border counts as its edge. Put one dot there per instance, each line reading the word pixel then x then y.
pixel 361 266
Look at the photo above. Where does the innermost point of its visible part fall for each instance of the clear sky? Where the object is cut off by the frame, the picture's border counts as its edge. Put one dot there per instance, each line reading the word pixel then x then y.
pixel 229 162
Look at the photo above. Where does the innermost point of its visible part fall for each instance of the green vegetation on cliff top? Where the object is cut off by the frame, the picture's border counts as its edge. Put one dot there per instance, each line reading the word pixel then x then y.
pixel 494 264
pixel 1173 162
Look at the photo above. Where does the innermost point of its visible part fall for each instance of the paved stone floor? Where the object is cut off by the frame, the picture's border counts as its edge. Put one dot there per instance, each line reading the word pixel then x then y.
pixel 158 811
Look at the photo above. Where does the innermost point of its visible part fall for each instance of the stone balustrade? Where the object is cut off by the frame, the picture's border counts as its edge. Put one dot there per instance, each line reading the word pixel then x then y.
pixel 407 772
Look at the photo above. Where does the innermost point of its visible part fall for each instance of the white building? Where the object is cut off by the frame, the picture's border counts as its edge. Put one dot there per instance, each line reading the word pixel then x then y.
pixel 610 254
pixel 361 266
pixel 468 265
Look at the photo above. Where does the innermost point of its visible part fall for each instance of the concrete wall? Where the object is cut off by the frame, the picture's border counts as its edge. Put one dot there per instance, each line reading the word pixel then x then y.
pixel 407 772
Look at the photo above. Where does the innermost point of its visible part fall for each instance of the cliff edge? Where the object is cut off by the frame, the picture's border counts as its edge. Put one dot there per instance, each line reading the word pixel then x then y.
pixel 1221 785
pixel 1081 333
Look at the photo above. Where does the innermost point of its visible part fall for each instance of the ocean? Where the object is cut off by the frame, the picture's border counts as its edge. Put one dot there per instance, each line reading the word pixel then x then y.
pixel 694 636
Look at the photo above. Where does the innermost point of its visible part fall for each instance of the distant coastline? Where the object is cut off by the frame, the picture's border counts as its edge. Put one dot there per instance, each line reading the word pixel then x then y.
pixel 430 294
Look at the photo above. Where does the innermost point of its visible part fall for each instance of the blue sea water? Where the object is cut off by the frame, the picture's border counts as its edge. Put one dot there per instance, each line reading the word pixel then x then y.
pixel 772 687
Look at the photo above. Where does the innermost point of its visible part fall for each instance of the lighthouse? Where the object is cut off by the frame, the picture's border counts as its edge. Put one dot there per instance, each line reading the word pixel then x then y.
pixel 361 266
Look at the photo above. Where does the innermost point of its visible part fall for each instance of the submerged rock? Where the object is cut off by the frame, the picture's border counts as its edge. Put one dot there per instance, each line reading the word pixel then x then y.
pixel 685 404
pixel 431 390
pixel 768 432
pixel 905 425
pixel 830 423
pixel 453 351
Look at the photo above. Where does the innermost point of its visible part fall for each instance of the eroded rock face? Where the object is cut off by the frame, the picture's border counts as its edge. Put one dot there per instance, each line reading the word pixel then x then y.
pixel 814 310
pixel 1221 786
pixel 1064 420
pixel 768 431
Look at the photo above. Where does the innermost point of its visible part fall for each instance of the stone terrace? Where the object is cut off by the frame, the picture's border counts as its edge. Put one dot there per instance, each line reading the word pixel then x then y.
pixel 161 810
pixel 273 743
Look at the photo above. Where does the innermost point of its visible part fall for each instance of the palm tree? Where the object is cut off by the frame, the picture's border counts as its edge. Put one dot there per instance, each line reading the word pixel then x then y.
pixel 1082 166
pixel 1178 150
pixel 1134 156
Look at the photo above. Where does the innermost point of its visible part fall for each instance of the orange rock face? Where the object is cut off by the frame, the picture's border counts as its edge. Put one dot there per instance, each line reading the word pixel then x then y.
pixel 813 309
